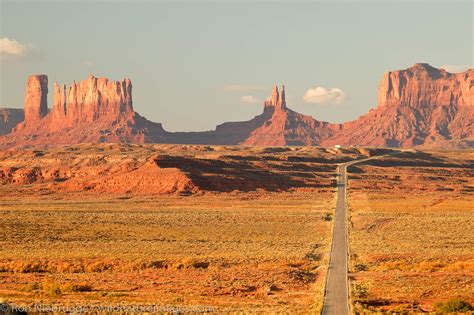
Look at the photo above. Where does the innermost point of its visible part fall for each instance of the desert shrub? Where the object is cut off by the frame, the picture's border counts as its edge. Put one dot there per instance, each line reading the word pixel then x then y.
pixel 303 276
pixel 454 305
pixel 361 267
pixel 98 266
pixel 51 288
pixel 313 257
pixel 360 291
pixel 296 264
pixel 327 216
pixel 191 263
pixel 28 266
pixel 73 287
pixel 32 287
pixel 430 265
pixel 200 264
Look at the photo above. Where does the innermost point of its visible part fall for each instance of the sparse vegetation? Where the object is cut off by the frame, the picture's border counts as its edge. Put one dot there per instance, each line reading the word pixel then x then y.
pixel 327 216
pixel 454 306
pixel 257 250
pixel 410 241
pixel 227 250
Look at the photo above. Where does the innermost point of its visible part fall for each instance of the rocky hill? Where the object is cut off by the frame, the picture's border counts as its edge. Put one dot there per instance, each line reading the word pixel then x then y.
pixel 420 106
pixel 9 118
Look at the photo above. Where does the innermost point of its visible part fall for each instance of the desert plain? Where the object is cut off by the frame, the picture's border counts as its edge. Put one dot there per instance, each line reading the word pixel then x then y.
pixel 235 229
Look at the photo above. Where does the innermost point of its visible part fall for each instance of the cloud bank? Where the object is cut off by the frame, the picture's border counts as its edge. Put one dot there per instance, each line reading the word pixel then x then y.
pixel 324 96
pixel 11 49
pixel 249 99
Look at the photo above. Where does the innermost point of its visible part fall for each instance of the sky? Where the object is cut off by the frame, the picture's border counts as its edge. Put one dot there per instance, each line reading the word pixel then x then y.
pixel 195 64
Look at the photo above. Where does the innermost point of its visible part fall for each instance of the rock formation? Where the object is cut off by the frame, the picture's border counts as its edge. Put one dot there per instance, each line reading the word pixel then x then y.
pixel 95 110
pixel 9 118
pixel 59 105
pixel 36 98
pixel 419 106
pixel 287 127
pixel 276 100
pixel 94 98
pixel 90 100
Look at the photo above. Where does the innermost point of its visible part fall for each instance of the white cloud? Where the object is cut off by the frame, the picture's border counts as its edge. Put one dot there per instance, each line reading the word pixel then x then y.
pixel 322 95
pixel 456 68
pixel 12 49
pixel 243 88
pixel 249 99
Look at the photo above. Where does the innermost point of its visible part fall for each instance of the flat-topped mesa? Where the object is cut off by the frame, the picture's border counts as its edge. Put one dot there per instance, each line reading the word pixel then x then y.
pixel 425 86
pixel 277 100
pixel 36 98
pixel 90 100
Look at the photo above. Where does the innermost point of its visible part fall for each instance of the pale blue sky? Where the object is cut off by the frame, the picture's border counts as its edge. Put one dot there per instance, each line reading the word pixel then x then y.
pixel 180 56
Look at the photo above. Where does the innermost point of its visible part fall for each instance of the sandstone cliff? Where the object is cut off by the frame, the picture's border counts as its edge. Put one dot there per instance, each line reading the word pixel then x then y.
pixel 36 102
pixel 95 110
pixel 419 106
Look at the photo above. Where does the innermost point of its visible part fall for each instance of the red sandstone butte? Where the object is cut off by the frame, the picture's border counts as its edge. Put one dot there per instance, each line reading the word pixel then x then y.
pixel 36 102
pixel 421 106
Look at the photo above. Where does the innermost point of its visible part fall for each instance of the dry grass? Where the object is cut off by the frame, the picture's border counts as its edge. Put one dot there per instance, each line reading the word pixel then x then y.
pixel 253 251
pixel 411 234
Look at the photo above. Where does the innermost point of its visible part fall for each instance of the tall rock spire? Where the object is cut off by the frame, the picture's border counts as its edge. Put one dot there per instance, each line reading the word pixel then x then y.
pixel 274 99
pixel 59 102
pixel 275 96
pixel 36 101
pixel 282 100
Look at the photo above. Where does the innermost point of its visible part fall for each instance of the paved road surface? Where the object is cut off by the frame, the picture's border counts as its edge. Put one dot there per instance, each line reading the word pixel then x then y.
pixel 336 296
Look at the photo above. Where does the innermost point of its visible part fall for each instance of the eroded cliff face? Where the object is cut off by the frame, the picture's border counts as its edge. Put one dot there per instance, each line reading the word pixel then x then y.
pixel 90 100
pixel 95 110
pixel 419 106
pixel 425 86
pixel 36 98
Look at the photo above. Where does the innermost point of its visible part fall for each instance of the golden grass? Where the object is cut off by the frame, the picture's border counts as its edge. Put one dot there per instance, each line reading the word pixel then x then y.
pixel 249 251
pixel 411 235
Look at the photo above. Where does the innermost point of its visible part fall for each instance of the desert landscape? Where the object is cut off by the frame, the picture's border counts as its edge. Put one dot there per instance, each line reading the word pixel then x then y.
pixel 411 217
pixel 233 228
pixel 228 227
pixel 270 157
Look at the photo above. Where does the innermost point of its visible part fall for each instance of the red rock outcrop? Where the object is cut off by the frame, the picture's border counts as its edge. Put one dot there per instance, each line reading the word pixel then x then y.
pixel 59 105
pixel 95 110
pixel 90 100
pixel 9 118
pixel 419 106
pixel 98 97
pixel 276 126
pixel 36 98
pixel 287 127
